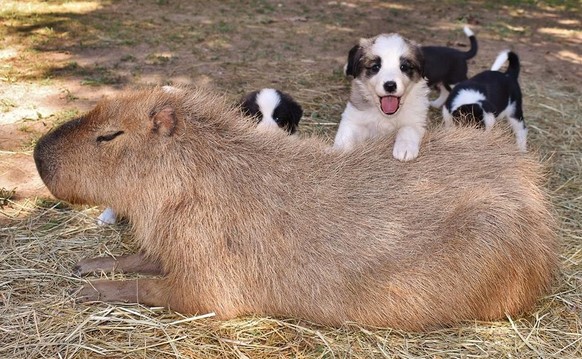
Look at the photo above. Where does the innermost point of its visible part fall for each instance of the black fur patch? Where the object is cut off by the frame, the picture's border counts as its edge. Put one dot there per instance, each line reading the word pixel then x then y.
pixel 288 113
pixel 354 67
pixel 250 107
pixel 470 114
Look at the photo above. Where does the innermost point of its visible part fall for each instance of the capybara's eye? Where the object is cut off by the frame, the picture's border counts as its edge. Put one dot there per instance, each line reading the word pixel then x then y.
pixel 109 137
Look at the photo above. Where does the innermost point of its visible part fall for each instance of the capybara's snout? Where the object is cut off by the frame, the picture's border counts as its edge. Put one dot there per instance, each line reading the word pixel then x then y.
pixel 56 147
pixel 41 157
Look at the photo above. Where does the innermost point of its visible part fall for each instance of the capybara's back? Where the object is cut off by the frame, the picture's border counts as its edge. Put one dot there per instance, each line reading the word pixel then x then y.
pixel 463 232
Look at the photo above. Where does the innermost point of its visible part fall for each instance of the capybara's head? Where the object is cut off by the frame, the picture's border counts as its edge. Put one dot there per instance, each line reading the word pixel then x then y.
pixel 122 143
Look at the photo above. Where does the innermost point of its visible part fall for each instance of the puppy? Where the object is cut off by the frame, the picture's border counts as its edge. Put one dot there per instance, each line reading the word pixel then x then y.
pixel 273 109
pixel 389 94
pixel 444 67
pixel 490 96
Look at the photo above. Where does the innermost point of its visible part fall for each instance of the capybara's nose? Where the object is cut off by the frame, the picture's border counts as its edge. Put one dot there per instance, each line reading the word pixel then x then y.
pixel 38 160
pixel 43 163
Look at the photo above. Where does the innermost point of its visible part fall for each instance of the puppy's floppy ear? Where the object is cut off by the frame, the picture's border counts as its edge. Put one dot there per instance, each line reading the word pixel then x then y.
pixel 296 111
pixel 163 121
pixel 354 65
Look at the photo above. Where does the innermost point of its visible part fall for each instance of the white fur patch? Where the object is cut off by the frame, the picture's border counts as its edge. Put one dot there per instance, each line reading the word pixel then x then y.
pixel 389 48
pixel 108 216
pixel 467 97
pixel 170 89
pixel 489 120
pixel 444 93
pixel 407 144
pixel 468 31
pixel 508 112
pixel 447 118
pixel 268 100
pixel 520 132
pixel 500 60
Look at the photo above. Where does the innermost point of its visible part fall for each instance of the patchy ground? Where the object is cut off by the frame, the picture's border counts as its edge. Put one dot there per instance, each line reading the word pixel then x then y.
pixel 57 58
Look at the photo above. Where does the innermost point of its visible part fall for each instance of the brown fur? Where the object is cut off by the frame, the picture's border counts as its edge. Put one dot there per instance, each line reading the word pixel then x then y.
pixel 464 232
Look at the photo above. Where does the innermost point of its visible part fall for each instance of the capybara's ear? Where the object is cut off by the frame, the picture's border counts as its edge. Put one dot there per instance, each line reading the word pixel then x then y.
pixel 164 121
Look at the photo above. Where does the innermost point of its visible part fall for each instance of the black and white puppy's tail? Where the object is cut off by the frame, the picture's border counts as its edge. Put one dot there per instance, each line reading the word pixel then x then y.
pixel 513 68
pixel 473 50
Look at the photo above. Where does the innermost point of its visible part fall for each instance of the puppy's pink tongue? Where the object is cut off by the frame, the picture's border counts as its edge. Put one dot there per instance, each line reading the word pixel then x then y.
pixel 389 104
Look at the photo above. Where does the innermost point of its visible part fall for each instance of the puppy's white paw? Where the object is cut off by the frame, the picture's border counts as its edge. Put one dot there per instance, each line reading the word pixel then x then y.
pixel 106 217
pixel 405 150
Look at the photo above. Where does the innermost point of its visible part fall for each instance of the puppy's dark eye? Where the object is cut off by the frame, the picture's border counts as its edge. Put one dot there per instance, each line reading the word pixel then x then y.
pixel 375 68
pixel 406 67
pixel 109 137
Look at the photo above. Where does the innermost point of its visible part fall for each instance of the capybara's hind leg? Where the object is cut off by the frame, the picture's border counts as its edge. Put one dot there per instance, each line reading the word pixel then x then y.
pixel 151 292
pixel 132 263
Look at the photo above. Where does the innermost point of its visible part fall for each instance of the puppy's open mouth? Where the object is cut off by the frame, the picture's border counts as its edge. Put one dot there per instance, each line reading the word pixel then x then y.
pixel 389 104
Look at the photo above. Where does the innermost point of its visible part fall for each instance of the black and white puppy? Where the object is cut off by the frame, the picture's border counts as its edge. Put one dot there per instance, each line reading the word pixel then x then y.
pixel 444 66
pixel 490 96
pixel 273 109
pixel 389 94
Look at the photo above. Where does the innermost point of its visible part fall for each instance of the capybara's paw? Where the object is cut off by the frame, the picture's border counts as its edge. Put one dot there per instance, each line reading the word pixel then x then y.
pixel 87 293
pixel 92 265
pixel 97 291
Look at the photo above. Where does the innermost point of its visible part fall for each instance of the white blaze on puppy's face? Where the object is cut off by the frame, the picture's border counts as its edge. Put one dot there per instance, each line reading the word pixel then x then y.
pixel 389 49
pixel 268 100
pixel 390 66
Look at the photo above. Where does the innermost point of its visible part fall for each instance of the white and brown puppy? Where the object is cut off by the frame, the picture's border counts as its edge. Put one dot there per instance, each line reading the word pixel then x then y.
pixel 389 94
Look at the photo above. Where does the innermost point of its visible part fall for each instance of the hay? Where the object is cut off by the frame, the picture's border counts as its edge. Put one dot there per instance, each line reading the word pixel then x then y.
pixel 40 241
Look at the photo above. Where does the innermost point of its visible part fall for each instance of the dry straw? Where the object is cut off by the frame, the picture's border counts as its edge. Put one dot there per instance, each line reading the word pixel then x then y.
pixel 41 241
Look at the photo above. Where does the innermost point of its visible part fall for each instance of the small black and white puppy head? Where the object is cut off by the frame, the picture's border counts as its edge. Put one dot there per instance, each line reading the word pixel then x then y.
pixel 384 69
pixel 273 109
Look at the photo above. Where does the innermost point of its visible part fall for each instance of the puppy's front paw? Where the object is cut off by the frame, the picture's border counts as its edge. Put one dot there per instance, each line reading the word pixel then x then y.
pixel 405 150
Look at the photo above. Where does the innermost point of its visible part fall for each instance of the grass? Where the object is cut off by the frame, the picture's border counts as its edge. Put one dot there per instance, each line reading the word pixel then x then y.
pixel 231 47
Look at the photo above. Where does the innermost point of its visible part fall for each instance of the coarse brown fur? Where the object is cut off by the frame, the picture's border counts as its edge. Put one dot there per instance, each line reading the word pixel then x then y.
pixel 463 232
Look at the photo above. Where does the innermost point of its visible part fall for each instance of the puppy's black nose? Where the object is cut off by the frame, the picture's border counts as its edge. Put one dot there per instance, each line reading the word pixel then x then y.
pixel 390 86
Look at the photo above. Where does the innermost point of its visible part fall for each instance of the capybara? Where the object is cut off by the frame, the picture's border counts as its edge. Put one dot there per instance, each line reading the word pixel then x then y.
pixel 270 108
pixel 464 232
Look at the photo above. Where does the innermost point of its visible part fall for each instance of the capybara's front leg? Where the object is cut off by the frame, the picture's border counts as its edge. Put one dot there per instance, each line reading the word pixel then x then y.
pixel 151 292
pixel 132 263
